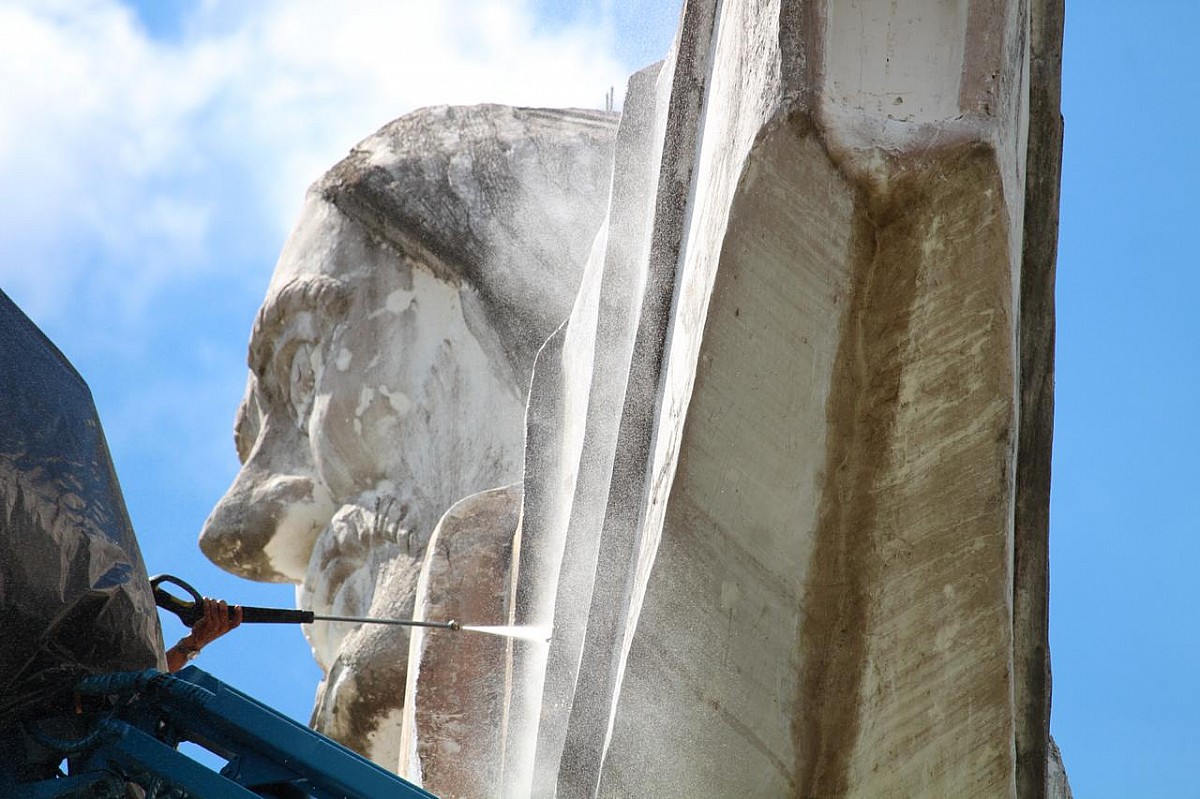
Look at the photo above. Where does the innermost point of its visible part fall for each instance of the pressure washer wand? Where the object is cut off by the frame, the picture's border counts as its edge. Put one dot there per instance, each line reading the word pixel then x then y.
pixel 445 625
pixel 190 610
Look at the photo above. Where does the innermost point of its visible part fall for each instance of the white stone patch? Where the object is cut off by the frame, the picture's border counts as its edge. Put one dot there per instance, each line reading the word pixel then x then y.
pixel 933 242
pixel 320 407
pixel 365 397
pixel 289 549
pixel 944 640
pixel 730 594
pixel 386 736
pixel 344 357
pixel 440 304
pixel 400 300
pixel 399 401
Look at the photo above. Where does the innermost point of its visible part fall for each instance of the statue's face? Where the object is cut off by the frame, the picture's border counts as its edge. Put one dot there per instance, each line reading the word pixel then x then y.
pixel 371 380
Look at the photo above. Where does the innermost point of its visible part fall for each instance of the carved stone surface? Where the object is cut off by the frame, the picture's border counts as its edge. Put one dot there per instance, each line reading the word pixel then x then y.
pixel 784 472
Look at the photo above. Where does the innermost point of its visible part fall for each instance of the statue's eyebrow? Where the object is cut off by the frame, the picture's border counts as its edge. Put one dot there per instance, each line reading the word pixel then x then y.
pixel 320 293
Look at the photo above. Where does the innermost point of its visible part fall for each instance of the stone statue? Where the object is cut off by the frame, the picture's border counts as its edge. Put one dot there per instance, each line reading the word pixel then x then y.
pixel 389 367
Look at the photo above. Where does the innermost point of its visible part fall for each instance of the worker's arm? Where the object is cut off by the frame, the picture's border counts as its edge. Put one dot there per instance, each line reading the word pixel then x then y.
pixel 217 620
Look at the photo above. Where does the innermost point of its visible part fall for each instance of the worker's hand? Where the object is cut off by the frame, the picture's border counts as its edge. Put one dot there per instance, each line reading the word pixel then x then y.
pixel 216 621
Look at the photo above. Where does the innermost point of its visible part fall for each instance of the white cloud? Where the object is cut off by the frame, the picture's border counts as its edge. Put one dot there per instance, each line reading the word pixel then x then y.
pixel 128 161
pixel 311 81
pixel 148 183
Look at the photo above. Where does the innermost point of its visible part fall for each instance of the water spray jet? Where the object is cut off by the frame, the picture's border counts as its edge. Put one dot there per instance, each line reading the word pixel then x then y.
pixel 525 632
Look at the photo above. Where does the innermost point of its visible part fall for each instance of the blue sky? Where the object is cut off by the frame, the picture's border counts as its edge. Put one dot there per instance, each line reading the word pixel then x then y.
pixel 154 157
pixel 1124 518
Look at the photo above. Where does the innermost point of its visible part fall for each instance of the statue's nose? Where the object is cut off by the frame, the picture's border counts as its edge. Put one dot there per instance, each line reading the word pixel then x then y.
pixel 265 525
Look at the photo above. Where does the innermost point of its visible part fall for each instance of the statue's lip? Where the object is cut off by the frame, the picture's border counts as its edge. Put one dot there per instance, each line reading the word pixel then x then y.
pixel 233 552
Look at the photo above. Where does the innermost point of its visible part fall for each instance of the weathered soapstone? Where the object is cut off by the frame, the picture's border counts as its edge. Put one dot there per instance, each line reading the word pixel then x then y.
pixel 389 368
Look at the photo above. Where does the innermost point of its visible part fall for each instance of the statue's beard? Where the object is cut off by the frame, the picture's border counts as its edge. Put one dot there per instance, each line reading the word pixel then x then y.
pixel 364 545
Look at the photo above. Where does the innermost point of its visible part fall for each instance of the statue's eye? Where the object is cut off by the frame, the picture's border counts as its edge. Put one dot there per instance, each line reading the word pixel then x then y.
pixel 302 382
pixel 249 421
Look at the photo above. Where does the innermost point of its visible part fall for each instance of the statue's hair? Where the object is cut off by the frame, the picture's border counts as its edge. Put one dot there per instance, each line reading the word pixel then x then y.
pixel 321 293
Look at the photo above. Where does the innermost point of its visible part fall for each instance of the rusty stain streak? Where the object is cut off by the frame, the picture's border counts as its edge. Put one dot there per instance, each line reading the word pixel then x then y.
pixel 862 410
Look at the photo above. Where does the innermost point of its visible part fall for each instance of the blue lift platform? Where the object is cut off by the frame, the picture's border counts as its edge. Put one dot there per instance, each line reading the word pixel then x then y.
pixel 124 730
